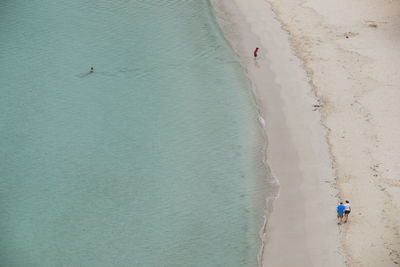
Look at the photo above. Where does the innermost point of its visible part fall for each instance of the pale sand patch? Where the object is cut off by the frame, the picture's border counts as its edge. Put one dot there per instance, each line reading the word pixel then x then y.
pixel 357 80
pixel 302 229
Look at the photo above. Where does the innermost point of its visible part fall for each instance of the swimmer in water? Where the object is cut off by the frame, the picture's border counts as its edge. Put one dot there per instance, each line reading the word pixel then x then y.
pixel 91 69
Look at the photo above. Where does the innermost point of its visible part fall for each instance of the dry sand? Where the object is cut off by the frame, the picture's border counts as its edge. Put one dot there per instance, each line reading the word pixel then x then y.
pixel 350 55
pixel 357 79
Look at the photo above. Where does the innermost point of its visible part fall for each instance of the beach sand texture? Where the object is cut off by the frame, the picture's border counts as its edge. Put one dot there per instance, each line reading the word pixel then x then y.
pixel 351 51
pixel 301 230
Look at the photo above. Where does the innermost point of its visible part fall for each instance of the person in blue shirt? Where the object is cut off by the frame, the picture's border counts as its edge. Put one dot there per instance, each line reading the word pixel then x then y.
pixel 340 210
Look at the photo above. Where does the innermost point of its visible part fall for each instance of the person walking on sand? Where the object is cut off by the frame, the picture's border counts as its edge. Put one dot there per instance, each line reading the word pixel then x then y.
pixel 255 53
pixel 340 210
pixel 347 210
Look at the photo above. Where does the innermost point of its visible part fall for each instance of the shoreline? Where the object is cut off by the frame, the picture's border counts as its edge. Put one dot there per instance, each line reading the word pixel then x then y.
pixel 297 151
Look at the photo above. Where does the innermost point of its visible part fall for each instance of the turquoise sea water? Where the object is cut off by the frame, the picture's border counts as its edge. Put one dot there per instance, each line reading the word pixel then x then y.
pixel 152 160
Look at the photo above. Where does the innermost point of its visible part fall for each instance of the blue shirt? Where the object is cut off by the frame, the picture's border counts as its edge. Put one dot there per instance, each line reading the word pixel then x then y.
pixel 340 209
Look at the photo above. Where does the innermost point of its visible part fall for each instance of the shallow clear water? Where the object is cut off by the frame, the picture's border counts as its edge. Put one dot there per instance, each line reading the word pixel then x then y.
pixel 152 160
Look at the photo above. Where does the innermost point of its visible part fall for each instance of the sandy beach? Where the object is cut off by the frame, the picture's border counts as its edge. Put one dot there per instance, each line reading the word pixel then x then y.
pixel 326 84
pixel 351 52
pixel 297 152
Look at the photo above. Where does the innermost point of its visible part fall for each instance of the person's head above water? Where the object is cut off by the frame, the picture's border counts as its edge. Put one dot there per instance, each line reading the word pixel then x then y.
pixel 91 69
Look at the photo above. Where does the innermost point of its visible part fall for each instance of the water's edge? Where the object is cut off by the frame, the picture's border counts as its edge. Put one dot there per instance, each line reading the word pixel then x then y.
pixel 227 24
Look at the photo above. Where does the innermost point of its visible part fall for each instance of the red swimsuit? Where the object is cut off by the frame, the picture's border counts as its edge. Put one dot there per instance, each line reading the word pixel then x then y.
pixel 255 52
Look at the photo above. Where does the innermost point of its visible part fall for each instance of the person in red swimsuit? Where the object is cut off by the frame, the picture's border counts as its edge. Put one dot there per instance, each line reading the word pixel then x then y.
pixel 255 53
